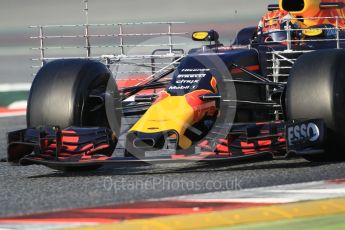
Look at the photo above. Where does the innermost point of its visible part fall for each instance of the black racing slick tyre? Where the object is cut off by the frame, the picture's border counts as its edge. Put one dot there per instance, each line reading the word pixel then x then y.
pixel 316 90
pixel 70 92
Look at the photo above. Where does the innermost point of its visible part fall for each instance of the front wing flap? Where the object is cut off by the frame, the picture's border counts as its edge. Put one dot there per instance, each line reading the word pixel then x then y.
pixel 52 143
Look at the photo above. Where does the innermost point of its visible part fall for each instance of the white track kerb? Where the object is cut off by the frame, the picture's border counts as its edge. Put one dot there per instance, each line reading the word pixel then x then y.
pixel 274 195
pixel 277 194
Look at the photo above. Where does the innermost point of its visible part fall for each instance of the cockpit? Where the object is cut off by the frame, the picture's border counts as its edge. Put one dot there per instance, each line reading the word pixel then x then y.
pixel 302 21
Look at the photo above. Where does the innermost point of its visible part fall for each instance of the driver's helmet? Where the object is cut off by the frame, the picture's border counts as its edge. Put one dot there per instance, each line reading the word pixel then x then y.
pixel 270 25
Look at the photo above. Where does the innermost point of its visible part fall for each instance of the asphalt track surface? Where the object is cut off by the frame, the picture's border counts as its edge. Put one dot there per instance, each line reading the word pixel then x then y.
pixel 33 189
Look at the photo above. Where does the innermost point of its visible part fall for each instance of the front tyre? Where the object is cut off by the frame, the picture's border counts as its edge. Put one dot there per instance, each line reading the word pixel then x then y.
pixel 316 90
pixel 70 92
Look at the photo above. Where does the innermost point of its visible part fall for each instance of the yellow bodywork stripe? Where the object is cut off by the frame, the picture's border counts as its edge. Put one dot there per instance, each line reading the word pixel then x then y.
pixel 232 217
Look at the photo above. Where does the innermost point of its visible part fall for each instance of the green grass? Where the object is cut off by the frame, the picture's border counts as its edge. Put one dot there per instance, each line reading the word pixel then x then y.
pixel 6 98
pixel 335 222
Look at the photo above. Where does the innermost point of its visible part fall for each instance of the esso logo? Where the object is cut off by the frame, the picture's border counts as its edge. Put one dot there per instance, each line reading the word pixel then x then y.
pixel 303 132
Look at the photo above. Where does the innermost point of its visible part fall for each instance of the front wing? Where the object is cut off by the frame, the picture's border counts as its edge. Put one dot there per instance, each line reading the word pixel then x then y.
pixel 77 148
pixel 85 147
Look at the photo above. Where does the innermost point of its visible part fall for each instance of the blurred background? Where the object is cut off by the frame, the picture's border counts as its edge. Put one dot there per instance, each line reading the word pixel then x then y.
pixel 225 16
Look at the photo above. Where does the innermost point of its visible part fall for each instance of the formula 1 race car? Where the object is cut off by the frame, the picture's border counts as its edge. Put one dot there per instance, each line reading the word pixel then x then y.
pixel 278 90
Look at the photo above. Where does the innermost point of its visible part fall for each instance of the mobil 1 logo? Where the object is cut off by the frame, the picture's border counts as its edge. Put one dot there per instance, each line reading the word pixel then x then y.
pixel 304 134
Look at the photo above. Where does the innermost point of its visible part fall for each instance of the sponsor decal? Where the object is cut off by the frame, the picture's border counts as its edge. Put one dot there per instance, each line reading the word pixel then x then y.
pixel 189 78
pixel 186 76
pixel 187 81
pixel 195 70
pixel 303 133
pixel 174 87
